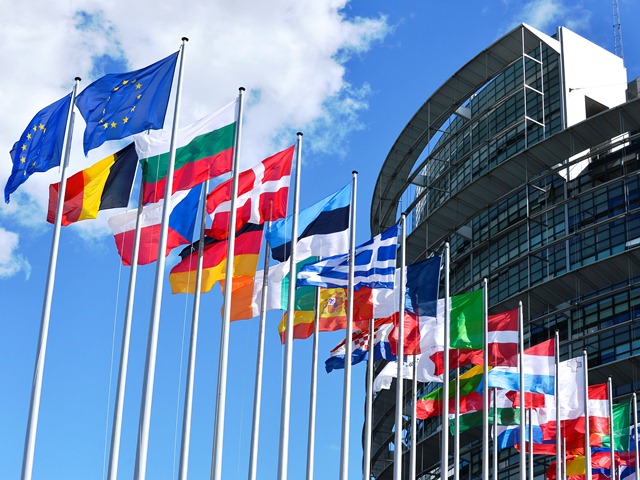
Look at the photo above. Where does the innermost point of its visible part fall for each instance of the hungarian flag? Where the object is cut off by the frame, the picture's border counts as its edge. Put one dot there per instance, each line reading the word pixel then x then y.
pixel 182 220
pixel 245 261
pixel 204 150
pixel 263 193
pixel 105 185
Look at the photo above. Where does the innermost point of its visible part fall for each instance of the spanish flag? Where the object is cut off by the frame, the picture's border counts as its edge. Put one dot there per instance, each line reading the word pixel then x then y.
pixel 247 249
pixel 105 185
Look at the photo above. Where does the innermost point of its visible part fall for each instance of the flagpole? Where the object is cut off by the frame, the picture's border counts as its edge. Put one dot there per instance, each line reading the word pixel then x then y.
pixel 368 421
pixel 611 429
pixel 444 471
pixel 587 429
pixel 414 420
pixel 523 403
pixel 221 396
pixel 397 452
pixel 634 403
pixel 495 434
pixel 456 434
pixel 154 324
pixel 116 430
pixel 36 388
pixel 257 392
pixel 311 442
pixel 283 457
pixel 485 386
pixel 193 345
pixel 556 392
pixel 530 443
pixel 564 455
pixel 346 399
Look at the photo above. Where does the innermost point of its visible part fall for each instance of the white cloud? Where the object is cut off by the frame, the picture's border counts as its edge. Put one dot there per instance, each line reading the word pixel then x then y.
pixel 289 54
pixel 546 15
pixel 11 262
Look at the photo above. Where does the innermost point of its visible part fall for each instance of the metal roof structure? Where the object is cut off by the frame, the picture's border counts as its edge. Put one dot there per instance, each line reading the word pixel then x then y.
pixel 397 168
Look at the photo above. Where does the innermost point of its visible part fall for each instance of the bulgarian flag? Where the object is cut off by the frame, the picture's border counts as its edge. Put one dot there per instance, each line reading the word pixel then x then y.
pixel 204 150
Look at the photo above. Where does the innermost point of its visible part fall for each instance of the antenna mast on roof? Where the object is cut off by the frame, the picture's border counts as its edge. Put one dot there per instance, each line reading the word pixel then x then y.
pixel 617 31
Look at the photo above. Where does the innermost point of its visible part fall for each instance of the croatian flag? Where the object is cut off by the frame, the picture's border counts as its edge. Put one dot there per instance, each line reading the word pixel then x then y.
pixel 539 371
pixel 360 347
pixel 375 265
pixel 182 220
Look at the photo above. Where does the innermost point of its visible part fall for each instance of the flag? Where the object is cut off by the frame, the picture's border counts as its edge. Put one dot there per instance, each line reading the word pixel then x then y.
pixel 245 261
pixel 360 347
pixel 40 145
pixel 509 435
pixel 105 185
pixel 182 220
pixel 422 283
pixel 390 371
pixel 502 329
pixel 505 413
pixel 121 104
pixel 539 371
pixel 263 193
pixel 467 318
pixel 324 228
pixel 375 265
pixel 430 405
pixel 204 150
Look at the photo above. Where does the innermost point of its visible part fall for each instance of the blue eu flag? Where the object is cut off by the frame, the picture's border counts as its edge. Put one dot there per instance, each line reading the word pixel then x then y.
pixel 122 104
pixel 40 146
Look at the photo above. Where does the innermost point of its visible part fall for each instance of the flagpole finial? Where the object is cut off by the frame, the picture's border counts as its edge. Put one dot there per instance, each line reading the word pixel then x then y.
pixel 355 172
pixel 299 134
pixel 185 39
pixel 77 79
pixel 242 89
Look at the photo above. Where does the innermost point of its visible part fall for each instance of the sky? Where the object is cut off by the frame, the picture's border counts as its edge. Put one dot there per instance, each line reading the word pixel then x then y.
pixel 348 74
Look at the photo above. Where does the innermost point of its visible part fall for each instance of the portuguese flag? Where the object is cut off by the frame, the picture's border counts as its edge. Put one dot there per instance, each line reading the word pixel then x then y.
pixel 204 150
pixel 102 186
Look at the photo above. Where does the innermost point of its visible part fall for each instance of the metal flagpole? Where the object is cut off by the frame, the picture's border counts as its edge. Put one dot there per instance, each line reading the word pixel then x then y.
pixel 564 455
pixel 36 388
pixel 283 457
pixel 612 451
pixel 456 434
pixel 193 345
pixel 556 392
pixel 444 470
pixel 485 386
pixel 414 419
pixel 368 421
pixel 634 404
pixel 221 396
pixel 523 403
pixel 114 452
pixel 530 442
pixel 587 429
pixel 257 392
pixel 346 399
pixel 397 451
pixel 154 325
pixel 495 434
pixel 311 442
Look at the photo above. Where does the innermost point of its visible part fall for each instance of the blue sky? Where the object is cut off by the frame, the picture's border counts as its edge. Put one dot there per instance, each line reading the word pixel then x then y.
pixel 348 75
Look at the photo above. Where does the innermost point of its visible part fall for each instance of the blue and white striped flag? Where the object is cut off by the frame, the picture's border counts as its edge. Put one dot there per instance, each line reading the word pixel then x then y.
pixel 375 265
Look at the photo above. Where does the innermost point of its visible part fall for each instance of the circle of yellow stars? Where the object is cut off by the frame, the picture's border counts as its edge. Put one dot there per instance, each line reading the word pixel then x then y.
pixel 23 159
pixel 113 123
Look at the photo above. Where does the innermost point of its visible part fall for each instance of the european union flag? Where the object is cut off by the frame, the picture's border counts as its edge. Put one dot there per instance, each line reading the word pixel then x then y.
pixel 40 146
pixel 122 104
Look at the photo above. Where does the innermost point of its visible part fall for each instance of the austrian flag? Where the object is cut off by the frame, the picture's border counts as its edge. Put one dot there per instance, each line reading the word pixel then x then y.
pixel 263 193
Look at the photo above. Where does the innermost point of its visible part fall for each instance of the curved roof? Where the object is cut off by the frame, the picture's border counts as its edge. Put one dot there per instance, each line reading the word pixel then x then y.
pixel 397 167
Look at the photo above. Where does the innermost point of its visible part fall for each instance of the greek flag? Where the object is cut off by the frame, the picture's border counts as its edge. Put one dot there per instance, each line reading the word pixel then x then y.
pixel 375 265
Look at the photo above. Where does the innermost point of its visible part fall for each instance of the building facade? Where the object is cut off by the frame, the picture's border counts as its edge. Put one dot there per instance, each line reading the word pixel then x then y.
pixel 526 161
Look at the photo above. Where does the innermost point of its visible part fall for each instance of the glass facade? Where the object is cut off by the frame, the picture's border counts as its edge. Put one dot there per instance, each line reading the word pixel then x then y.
pixel 574 228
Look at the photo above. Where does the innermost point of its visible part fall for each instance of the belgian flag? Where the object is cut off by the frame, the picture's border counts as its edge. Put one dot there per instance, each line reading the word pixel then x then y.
pixel 105 185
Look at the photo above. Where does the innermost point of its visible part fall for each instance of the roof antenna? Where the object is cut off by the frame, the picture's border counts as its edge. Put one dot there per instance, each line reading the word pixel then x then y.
pixel 617 31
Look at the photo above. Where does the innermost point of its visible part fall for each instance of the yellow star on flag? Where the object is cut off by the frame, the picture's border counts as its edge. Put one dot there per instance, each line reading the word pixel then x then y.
pixel 138 86
pixel 24 147
pixel 125 119
pixel 23 160
pixel 28 136
pixel 113 124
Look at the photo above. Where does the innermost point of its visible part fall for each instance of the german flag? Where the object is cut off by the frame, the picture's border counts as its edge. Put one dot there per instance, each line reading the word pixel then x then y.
pixel 105 185
pixel 214 264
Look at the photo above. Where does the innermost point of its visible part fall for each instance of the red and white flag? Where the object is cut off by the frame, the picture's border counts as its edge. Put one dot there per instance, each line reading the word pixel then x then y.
pixel 263 193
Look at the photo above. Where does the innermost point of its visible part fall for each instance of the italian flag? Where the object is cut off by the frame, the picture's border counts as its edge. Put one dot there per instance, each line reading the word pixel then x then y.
pixel 204 150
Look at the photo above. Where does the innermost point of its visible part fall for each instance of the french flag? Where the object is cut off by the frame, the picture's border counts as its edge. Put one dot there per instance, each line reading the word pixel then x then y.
pixel 539 371
pixel 184 205
pixel 360 347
